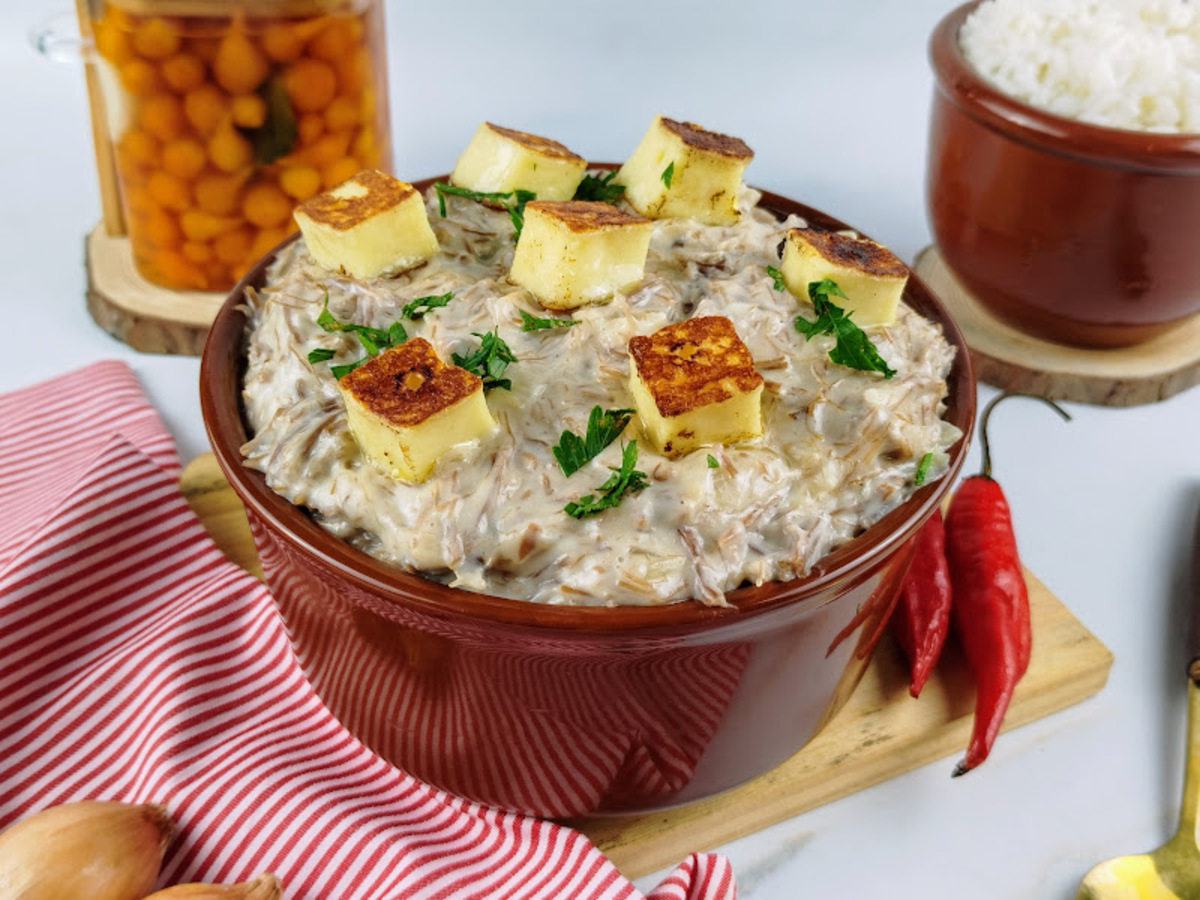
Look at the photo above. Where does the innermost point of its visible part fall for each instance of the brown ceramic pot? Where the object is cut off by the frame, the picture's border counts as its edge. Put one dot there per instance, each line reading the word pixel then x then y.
pixel 1071 232
pixel 565 711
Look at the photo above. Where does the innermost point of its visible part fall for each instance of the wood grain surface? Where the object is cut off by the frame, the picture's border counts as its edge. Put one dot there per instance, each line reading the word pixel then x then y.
pixel 147 317
pixel 880 733
pixel 1013 360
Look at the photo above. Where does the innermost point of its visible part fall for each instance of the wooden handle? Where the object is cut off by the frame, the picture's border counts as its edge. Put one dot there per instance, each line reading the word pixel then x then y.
pixel 106 163
pixel 1193 600
pixel 1186 833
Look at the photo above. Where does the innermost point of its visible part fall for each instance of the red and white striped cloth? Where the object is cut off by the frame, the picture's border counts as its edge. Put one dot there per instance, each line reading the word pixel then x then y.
pixel 137 664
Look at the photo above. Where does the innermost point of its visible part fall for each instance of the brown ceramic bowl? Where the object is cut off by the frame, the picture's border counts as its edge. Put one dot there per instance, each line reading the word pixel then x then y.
pixel 564 711
pixel 1070 232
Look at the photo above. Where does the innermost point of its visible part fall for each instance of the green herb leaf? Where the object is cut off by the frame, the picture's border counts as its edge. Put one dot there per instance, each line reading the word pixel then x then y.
pixel 396 334
pixel 373 340
pixel 668 173
pixel 276 136
pixel 600 187
pixel 325 319
pixel 483 196
pixel 624 480
pixel 603 427
pixel 513 201
pixel 516 212
pixel 776 278
pixel 534 323
pixel 489 361
pixel 367 339
pixel 852 347
pixel 415 309
pixel 713 463
pixel 923 469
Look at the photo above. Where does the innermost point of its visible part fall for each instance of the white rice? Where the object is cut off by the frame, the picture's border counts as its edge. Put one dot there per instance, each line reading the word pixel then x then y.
pixel 1131 64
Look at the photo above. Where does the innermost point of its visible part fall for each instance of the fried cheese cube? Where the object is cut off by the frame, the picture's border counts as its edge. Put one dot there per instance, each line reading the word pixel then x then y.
pixel 870 275
pixel 406 408
pixel 575 252
pixel 501 159
pixel 369 225
pixel 694 384
pixel 681 170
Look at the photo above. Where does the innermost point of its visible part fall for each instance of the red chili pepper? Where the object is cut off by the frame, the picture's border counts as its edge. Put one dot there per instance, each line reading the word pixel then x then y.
pixel 991 603
pixel 922 616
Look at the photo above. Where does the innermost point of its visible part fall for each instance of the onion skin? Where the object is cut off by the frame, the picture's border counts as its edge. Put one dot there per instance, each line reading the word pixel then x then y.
pixel 102 850
pixel 262 887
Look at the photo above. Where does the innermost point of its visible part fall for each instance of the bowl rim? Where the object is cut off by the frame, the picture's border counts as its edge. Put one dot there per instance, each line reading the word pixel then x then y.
pixel 221 373
pixel 963 85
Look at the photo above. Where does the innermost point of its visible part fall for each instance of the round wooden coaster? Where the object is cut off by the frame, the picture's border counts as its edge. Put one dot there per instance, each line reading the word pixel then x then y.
pixel 1012 360
pixel 145 316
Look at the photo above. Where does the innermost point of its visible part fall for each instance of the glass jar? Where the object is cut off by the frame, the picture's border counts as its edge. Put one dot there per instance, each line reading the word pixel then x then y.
pixel 217 117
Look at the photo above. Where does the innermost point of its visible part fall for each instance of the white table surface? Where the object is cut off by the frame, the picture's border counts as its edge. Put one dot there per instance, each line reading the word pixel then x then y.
pixel 833 97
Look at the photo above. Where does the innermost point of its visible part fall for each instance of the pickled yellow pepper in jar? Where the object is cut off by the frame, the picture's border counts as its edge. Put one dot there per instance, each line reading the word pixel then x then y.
pixel 224 115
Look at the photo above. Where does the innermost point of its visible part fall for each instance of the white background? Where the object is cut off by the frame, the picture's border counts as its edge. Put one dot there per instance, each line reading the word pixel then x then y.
pixel 834 99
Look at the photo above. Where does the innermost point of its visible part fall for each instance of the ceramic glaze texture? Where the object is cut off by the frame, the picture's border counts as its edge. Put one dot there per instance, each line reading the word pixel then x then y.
pixel 562 711
pixel 561 723
pixel 1070 232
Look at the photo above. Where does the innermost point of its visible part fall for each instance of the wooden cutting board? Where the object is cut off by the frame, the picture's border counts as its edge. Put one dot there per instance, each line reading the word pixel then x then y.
pixel 880 733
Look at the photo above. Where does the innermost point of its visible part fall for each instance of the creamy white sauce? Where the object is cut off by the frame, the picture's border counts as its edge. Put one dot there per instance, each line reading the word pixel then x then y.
pixel 840 447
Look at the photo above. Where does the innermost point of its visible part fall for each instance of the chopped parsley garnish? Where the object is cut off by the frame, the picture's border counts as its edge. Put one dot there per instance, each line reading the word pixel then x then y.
pixel 624 480
pixel 713 462
pixel 483 196
pixel 603 427
pixel 668 173
pixel 534 323
pixel 373 340
pixel 852 347
pixel 513 201
pixel 415 309
pixel 599 187
pixel 489 361
pixel 776 278
pixel 923 469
